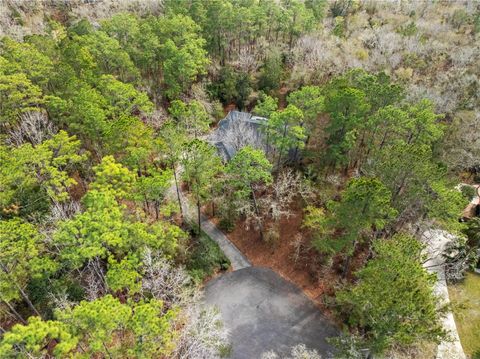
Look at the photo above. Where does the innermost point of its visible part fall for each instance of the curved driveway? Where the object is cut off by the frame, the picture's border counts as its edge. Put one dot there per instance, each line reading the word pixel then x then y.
pixel 261 310
pixel 264 312
pixel 236 258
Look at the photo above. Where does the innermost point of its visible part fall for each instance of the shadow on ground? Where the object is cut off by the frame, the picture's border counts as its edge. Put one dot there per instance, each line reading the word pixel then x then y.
pixel 265 312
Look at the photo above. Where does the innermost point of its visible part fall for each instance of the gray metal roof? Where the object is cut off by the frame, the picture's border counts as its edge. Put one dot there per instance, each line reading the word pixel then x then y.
pixel 225 150
pixel 234 116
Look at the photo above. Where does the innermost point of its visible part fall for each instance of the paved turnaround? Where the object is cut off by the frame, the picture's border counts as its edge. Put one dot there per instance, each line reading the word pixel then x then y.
pixel 263 312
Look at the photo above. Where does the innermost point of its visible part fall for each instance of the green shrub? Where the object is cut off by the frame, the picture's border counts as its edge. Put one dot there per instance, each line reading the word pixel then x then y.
pixel 206 258
pixel 217 111
pixel 272 235
pixel 339 28
pixel 460 17
pixel 40 290
pixel 271 73
pixel 476 30
pixel 414 61
pixel 230 86
pixel 226 224
pixel 408 30
pixel 468 192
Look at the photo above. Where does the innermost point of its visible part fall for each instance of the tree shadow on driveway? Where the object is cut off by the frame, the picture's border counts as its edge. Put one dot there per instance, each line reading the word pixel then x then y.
pixel 265 312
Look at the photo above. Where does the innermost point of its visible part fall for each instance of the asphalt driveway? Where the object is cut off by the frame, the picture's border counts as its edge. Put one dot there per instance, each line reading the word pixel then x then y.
pixel 265 312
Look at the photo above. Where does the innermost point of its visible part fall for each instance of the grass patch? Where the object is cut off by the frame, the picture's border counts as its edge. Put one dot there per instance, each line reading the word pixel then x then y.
pixel 466 298
pixel 206 259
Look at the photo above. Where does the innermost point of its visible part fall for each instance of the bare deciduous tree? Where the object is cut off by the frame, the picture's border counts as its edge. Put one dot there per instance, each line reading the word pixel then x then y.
pixel 164 281
pixel 289 184
pixel 61 300
pixel 299 351
pixel 461 148
pixel 248 60
pixel 157 119
pixel 94 278
pixel 458 258
pixel 297 245
pixel 34 127
pixel 276 201
pixel 61 211
pixel 240 134
pixel 202 336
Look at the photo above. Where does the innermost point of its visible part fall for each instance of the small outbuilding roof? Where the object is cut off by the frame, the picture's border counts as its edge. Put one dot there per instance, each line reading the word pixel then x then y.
pixel 234 116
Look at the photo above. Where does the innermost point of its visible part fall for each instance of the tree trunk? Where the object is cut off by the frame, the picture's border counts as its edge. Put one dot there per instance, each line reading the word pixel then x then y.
pixel 156 205
pixel 359 157
pixel 307 140
pixel 146 205
pixel 27 300
pixel 257 212
pixel 106 349
pixel 14 312
pixel 267 146
pixel 198 213
pixel 178 190
pixel 399 189
pixel 280 154
pixel 22 292
pixel 295 154
pixel 384 139
pixel 346 265
pixel 278 163
pixel 410 138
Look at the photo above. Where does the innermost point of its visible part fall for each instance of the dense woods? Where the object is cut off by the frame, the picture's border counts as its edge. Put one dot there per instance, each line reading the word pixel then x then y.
pixel 108 113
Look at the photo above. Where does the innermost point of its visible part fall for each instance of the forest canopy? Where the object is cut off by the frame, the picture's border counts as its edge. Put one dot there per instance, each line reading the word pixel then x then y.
pixel 108 117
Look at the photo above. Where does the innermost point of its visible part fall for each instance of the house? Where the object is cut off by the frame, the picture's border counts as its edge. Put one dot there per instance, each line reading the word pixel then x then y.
pixel 240 129
pixel 237 130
